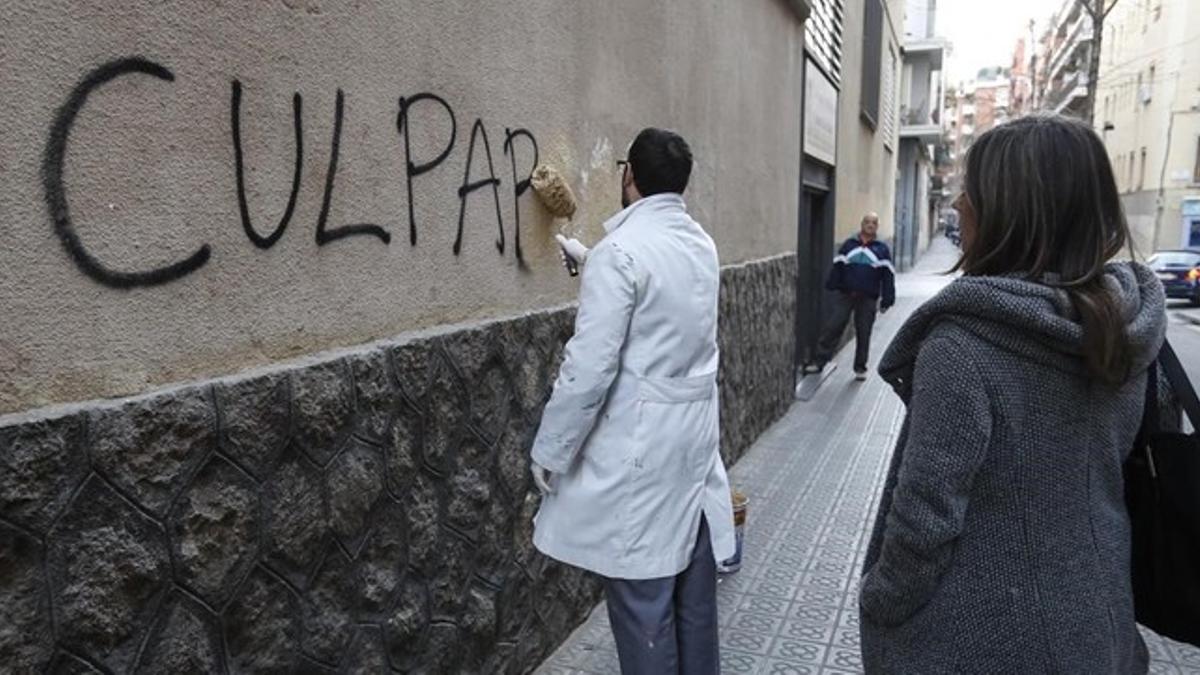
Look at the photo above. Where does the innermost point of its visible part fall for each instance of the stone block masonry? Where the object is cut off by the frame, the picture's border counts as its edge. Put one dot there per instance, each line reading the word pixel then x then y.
pixel 365 511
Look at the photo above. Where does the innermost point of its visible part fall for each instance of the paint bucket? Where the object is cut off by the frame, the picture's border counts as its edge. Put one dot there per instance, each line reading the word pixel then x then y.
pixel 740 504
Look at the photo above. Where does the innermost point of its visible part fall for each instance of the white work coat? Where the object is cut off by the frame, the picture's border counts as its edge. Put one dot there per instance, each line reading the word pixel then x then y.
pixel 631 429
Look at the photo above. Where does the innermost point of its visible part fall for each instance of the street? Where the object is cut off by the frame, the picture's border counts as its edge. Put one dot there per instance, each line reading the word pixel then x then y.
pixel 1184 335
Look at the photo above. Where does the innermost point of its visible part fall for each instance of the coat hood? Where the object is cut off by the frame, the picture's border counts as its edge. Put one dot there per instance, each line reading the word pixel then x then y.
pixel 1033 320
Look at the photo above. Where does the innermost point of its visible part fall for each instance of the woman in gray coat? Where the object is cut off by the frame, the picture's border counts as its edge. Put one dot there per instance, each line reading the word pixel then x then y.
pixel 1002 539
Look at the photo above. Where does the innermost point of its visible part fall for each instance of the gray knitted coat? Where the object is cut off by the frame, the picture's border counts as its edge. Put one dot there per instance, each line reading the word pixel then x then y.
pixel 1002 541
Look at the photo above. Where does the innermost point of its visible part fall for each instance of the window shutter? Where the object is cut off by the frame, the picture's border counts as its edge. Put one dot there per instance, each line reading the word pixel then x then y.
pixel 872 61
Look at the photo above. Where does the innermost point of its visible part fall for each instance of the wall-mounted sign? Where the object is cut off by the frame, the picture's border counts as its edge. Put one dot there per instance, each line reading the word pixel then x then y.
pixel 820 115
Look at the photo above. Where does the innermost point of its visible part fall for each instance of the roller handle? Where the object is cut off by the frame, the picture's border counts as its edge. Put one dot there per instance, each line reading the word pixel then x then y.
pixel 571 263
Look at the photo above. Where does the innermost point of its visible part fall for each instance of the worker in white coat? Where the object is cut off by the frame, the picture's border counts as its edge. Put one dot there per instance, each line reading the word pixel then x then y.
pixel 627 454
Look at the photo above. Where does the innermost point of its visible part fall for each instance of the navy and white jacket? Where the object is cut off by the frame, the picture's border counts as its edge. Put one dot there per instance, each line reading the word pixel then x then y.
pixel 866 269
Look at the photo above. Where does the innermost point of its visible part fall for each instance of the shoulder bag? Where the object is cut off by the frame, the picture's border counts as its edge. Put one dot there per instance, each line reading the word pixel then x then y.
pixel 1162 493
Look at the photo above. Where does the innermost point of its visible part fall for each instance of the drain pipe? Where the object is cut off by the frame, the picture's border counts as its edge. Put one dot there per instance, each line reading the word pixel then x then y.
pixel 1161 202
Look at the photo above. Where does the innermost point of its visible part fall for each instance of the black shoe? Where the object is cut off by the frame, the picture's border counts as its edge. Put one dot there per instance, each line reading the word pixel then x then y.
pixel 860 375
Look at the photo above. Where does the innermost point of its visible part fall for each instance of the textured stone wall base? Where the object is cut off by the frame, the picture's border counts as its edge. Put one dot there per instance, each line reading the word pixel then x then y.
pixel 362 512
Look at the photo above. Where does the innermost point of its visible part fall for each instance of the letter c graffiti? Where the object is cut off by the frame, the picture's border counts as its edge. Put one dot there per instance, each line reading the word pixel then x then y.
pixel 55 192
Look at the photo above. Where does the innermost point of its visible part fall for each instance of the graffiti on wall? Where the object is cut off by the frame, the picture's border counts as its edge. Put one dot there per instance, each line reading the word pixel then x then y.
pixel 479 149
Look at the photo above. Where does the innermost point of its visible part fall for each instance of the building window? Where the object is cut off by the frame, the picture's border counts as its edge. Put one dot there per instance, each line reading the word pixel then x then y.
pixel 1196 177
pixel 1157 10
pixel 1142 171
pixel 887 123
pixel 1129 167
pixel 872 62
pixel 1150 85
pixel 1137 93
pixel 823 36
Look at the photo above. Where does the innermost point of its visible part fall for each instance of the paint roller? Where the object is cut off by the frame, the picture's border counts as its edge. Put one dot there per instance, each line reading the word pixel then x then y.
pixel 554 194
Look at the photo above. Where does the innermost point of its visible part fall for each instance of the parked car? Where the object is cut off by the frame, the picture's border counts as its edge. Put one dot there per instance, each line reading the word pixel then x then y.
pixel 1180 273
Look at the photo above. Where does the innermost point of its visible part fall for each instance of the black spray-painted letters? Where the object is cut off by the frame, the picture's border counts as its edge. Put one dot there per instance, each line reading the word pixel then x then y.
pixel 59 207
pixel 56 195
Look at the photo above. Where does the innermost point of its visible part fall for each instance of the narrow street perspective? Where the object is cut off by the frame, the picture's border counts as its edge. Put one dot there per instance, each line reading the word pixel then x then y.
pixel 621 337
pixel 813 481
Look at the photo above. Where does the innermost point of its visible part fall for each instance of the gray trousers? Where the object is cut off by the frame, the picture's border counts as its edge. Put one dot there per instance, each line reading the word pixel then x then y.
pixel 843 305
pixel 668 626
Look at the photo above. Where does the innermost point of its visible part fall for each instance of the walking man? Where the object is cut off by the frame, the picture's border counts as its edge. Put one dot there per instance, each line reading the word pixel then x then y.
pixel 627 456
pixel 862 274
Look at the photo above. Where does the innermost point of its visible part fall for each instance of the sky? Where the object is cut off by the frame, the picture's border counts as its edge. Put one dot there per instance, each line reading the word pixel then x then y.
pixel 985 32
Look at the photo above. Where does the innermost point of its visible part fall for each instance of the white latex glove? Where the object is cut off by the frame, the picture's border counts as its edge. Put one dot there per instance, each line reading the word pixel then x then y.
pixel 541 478
pixel 573 253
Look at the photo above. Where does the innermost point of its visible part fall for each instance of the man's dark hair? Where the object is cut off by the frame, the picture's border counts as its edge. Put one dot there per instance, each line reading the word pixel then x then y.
pixel 661 162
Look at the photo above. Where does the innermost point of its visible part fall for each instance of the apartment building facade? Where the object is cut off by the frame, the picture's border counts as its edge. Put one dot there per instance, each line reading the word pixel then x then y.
pixel 921 132
pixel 1148 111
pixel 1061 79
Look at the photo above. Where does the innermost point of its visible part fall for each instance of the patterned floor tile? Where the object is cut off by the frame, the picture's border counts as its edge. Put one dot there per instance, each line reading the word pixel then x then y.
pixel 777 589
pixel 740 662
pixel 556 669
pixel 825 597
pixel 811 632
pixel 1184 655
pixel 829 582
pixel 742 641
pixel 816 614
pixel 848 619
pixel 756 623
pixel 820 566
pixel 833 554
pixel 766 605
pixel 846 638
pixel 799 651
pixel 738 583
pixel 781 667
pixel 844 658
pixel 1158 648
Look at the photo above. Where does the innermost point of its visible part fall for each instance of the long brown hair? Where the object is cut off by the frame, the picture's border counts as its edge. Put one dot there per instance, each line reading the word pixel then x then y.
pixel 1047 208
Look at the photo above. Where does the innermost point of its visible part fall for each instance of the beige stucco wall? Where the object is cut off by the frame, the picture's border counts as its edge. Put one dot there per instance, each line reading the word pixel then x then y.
pixel 866 167
pixel 150 178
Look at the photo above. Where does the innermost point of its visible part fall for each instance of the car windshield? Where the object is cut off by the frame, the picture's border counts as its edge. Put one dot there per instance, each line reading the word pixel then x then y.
pixel 1160 261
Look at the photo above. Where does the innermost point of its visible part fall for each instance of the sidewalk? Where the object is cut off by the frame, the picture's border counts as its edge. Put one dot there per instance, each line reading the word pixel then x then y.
pixel 1184 313
pixel 813 480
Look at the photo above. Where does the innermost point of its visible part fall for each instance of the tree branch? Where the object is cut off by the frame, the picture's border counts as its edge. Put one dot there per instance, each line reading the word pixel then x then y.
pixel 1110 8
pixel 1087 7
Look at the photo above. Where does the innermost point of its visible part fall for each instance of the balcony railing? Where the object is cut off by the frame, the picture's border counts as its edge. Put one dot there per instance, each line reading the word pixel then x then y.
pixel 1071 87
pixel 921 115
pixel 1080 33
pixel 920 122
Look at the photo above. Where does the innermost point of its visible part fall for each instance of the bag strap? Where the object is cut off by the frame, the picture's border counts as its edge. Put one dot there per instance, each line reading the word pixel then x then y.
pixel 1150 424
pixel 1180 384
